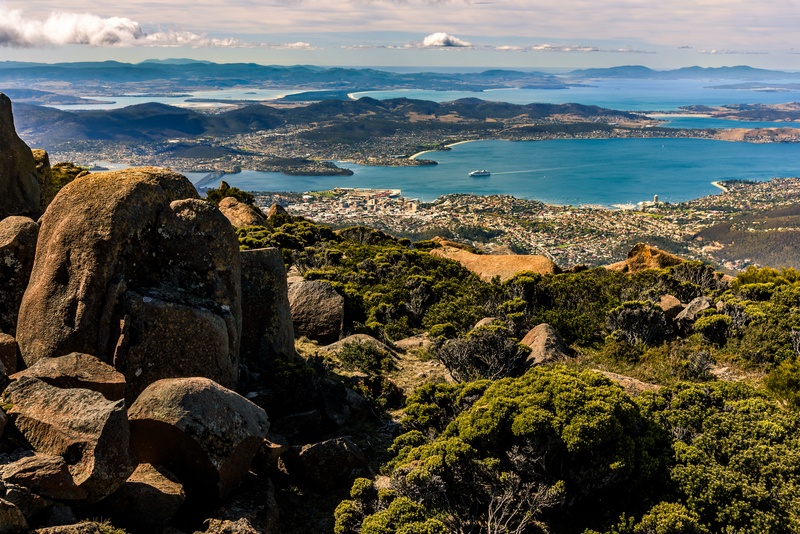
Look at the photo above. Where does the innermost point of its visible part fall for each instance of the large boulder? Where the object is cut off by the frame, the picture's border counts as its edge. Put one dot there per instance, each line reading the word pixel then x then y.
pixel 671 306
pixel 267 329
pixel 205 434
pixel 8 354
pixel 12 520
pixel 487 266
pixel 44 175
pixel 686 318
pixel 76 370
pixel 89 431
pixel 121 251
pixel 546 346
pixel 18 237
pixel 20 191
pixel 317 310
pixel 241 214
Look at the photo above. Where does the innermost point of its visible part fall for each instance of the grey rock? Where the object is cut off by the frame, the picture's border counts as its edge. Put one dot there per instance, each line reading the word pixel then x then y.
pixel 317 310
pixel 45 475
pixel 20 192
pixel 325 465
pixel 546 346
pixel 78 371
pixel 18 237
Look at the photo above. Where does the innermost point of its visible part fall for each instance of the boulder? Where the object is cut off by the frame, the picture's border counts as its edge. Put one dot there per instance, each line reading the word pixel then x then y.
pixel 8 354
pixel 240 214
pixel 204 433
pixel 325 465
pixel 271 450
pixel 78 371
pixel 632 386
pixel 317 310
pixel 686 318
pixel 278 216
pixel 89 431
pixel 20 192
pixel 253 506
pixel 45 475
pixel 643 256
pixel 420 342
pixel 671 306
pixel 30 504
pixel 486 321
pixel 87 527
pixel 146 502
pixel 3 422
pixel 267 329
pixel 11 519
pixel 18 237
pixel 110 241
pixel 546 346
pixel 487 266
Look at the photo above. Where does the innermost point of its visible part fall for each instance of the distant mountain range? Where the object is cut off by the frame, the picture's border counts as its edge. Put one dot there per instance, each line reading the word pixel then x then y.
pixel 103 78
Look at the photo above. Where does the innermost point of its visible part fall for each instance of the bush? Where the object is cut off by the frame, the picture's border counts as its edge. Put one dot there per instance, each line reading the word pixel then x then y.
pixel 365 356
pixel 638 322
pixel 486 352
pixel 224 190
pixel 714 327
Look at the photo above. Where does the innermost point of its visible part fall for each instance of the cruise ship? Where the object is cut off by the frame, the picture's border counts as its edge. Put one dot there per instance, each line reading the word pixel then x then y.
pixel 479 173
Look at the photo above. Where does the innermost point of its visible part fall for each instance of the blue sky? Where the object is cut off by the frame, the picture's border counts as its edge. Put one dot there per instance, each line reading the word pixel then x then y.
pixel 502 33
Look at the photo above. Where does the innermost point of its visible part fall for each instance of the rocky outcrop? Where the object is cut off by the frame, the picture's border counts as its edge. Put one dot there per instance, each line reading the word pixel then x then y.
pixel 278 216
pixel 45 475
pixel 686 318
pixel 131 269
pixel 205 434
pixel 240 214
pixel 85 428
pixel 546 346
pixel 643 256
pixel 44 175
pixel 488 266
pixel 267 329
pixel 20 192
pixel 18 237
pixel 80 371
pixel 317 310
pixel 8 355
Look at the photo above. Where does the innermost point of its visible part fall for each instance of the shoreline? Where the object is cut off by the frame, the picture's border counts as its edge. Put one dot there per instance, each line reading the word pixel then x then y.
pixel 720 186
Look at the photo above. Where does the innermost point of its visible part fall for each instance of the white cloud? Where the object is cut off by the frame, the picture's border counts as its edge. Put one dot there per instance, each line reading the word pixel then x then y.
pixel 17 30
pixel 725 51
pixel 444 40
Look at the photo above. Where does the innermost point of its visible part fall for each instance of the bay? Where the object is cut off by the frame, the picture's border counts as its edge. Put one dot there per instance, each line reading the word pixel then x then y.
pixel 603 172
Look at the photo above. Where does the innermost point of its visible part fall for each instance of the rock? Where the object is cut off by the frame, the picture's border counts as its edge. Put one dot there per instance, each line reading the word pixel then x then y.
pixel 89 431
pixel 11 519
pixel 486 321
pixel 110 241
pixel 546 346
pixel 58 515
pixel 45 475
pixel 341 404
pixel 172 353
pixel 420 342
pixel 357 339
pixel 273 447
pixel 632 386
pixel 325 465
pixel 686 318
pixel 317 310
pixel 8 354
pixel 44 175
pixel 487 266
pixel 205 434
pixel 267 329
pixel 643 256
pixel 278 216
pixel 226 526
pixel 30 504
pixel 89 527
pixel 146 502
pixel 240 214
pixel 3 422
pixel 671 306
pixel 78 371
pixel 18 237
pixel 20 192
pixel 253 506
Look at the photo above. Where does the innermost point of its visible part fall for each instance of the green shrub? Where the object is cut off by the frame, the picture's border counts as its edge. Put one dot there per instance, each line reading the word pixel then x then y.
pixel 714 327
pixel 365 356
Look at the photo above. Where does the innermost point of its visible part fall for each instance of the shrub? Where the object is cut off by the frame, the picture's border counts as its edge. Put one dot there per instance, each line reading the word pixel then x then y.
pixel 714 327
pixel 486 352
pixel 365 356
pixel 638 322
pixel 224 190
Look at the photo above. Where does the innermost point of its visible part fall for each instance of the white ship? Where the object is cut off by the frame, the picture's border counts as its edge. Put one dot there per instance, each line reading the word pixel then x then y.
pixel 479 173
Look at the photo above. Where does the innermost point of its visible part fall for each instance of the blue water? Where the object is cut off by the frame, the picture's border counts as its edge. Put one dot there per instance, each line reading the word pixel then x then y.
pixel 631 95
pixel 182 100
pixel 584 171
pixel 710 122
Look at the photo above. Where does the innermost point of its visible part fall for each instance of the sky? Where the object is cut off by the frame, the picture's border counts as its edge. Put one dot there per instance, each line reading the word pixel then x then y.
pixel 536 34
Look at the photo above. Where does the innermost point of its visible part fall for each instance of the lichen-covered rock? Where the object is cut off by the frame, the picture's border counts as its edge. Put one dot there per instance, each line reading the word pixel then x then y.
pixel 205 434
pixel 18 237
pixel 146 502
pixel 89 431
pixel 546 346
pixel 76 371
pixel 20 192
pixel 45 475
pixel 317 310
pixel 108 241
pixel 240 214
pixel 686 318
pixel 267 329
pixel 643 256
